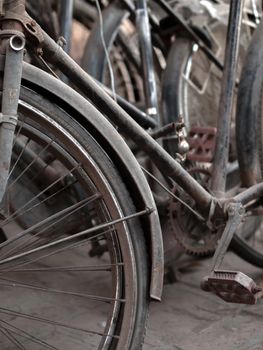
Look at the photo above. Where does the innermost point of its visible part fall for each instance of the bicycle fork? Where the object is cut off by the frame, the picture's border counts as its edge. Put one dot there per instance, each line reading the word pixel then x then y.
pixel 12 52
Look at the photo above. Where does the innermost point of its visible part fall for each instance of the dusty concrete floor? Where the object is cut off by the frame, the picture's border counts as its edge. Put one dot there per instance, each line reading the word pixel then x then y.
pixel 190 319
pixel 186 319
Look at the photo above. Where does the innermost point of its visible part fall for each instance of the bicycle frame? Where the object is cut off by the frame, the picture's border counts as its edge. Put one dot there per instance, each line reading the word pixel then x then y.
pixel 126 125
pixel 209 205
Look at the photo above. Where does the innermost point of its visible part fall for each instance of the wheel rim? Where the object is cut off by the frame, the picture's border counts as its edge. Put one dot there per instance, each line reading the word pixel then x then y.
pixel 26 253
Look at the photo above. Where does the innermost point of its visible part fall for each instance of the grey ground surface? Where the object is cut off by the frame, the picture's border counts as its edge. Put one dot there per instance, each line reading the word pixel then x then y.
pixel 186 319
pixel 190 319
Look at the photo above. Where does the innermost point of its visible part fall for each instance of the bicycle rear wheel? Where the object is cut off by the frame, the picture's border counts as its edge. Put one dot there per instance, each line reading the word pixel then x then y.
pixel 70 277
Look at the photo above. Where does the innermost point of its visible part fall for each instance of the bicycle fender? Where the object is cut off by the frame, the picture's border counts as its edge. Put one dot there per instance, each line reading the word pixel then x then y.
pixel 121 155
pixel 113 15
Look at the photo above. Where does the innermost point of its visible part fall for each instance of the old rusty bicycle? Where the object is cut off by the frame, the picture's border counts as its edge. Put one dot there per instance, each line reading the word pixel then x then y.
pixel 81 232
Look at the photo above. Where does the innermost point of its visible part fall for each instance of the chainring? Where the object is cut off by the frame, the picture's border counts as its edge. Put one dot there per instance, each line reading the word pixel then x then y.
pixel 190 232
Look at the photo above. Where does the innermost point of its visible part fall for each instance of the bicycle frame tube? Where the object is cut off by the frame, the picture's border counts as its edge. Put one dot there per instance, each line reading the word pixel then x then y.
pixel 66 13
pixel 226 100
pixel 11 52
pixel 65 21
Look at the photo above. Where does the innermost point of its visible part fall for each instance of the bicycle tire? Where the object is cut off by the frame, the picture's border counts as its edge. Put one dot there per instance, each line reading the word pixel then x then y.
pixel 249 125
pixel 75 168
pixel 183 83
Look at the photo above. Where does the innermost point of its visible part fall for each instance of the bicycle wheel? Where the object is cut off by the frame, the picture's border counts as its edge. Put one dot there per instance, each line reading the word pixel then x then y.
pixel 249 130
pixel 191 83
pixel 70 277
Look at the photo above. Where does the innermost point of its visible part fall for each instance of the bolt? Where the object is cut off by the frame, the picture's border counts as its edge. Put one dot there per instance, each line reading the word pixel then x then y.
pixel 231 210
pixel 241 210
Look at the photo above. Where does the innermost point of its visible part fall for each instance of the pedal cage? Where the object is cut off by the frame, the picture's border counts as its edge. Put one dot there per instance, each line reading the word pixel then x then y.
pixel 232 287
pixel 202 141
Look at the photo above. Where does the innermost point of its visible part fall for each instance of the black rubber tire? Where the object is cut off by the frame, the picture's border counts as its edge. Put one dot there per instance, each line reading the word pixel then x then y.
pixel 134 247
pixel 184 64
pixel 249 127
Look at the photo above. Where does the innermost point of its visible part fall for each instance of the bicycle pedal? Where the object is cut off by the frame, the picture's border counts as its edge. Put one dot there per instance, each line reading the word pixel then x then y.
pixel 232 286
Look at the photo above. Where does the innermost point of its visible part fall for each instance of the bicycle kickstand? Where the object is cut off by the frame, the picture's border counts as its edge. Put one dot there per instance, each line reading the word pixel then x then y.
pixel 231 286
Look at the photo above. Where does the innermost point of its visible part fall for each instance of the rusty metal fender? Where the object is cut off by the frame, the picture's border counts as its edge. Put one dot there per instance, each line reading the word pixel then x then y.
pixel 119 152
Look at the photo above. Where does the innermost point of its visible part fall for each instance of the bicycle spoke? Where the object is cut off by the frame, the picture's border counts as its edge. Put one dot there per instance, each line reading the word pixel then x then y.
pixel 14 217
pixel 11 338
pixel 95 268
pixel 19 130
pixel 37 156
pixel 18 211
pixel 50 322
pixel 59 216
pixel 17 284
pixel 58 251
pixel 18 158
pixel 73 237
pixel 22 333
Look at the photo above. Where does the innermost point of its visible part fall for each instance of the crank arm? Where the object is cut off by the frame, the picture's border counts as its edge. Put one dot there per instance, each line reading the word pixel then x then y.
pixel 231 286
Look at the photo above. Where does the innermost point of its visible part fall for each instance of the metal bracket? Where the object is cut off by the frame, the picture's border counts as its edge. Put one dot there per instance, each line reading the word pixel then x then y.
pixel 31 27
pixel 10 119
pixel 62 42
